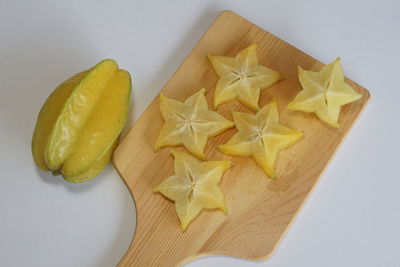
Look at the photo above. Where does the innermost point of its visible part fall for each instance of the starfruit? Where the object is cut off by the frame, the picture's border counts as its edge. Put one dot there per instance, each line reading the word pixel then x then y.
pixel 194 186
pixel 324 93
pixel 81 120
pixel 260 137
pixel 189 123
pixel 241 77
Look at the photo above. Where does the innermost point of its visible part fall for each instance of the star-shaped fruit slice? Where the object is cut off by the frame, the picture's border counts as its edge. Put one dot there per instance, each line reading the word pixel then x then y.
pixel 241 77
pixel 190 123
pixel 324 93
pixel 194 186
pixel 260 137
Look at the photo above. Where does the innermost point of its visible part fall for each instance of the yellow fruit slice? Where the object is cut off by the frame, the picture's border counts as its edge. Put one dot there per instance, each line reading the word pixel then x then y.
pixel 260 137
pixel 324 93
pixel 98 166
pixel 103 126
pixel 194 186
pixel 190 123
pixel 76 112
pixel 48 116
pixel 241 77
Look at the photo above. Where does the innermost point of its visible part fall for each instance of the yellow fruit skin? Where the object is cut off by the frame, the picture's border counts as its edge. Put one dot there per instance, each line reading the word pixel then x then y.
pixel 48 116
pixel 103 127
pixel 76 112
pixel 97 167
pixel 78 126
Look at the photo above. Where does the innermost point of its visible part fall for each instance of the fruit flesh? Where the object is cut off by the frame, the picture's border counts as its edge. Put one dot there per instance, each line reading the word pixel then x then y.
pixel 97 167
pixel 48 116
pixel 242 77
pixel 189 123
pixel 324 93
pixel 194 186
pixel 76 112
pixel 103 126
pixel 260 137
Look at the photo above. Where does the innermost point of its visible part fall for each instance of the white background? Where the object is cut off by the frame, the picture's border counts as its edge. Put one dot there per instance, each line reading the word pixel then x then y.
pixel 351 219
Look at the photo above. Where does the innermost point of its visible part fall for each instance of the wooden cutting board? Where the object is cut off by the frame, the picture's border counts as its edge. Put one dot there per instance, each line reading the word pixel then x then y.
pixel 260 210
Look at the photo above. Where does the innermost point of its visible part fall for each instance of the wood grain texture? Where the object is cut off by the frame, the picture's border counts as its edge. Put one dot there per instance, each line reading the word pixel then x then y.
pixel 260 210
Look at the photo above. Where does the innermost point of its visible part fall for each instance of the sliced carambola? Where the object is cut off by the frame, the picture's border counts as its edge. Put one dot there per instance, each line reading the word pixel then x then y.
pixel 189 123
pixel 324 93
pixel 194 186
pixel 241 77
pixel 260 137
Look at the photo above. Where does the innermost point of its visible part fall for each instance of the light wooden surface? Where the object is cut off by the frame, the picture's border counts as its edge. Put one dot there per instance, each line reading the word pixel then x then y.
pixel 259 209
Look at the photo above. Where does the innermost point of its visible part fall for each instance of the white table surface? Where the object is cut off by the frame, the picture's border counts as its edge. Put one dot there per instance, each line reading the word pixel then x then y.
pixel 351 219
